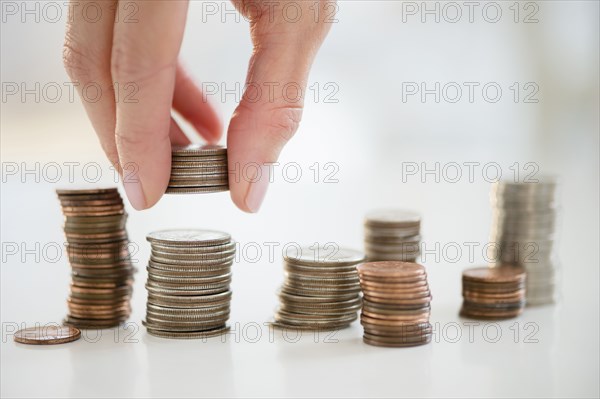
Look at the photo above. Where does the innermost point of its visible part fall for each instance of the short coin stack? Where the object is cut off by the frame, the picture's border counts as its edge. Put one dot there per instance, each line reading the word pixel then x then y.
pixel 493 292
pixel 321 290
pixel 97 247
pixel 392 234
pixel 189 274
pixel 396 304
pixel 198 169
pixel 524 227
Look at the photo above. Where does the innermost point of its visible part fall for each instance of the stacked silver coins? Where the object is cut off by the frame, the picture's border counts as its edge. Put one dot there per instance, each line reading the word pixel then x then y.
pixel 198 169
pixel 189 274
pixel 396 304
pixel 524 229
pixel 321 290
pixel 392 234
pixel 98 251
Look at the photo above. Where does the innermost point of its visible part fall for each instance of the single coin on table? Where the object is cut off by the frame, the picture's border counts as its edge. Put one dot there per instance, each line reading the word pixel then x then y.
pixel 47 335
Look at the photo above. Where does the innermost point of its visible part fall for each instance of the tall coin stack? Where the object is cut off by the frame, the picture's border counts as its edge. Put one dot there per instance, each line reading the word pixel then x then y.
pixel 198 169
pixel 189 274
pixel 97 247
pixel 321 290
pixel 493 292
pixel 396 304
pixel 392 234
pixel 524 225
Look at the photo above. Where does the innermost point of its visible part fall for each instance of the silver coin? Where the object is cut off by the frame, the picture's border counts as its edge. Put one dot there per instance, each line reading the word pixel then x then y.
pixel 189 237
pixel 199 183
pixel 189 334
pixel 325 255
pixel 193 263
pixel 199 150
pixel 196 190
pixel 393 217
pixel 220 268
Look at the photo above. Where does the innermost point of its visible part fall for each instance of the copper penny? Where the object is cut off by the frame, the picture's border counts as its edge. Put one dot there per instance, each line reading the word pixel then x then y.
pixel 48 335
pixel 87 191
pixel 391 269
pixel 490 315
pixel 409 329
pixel 399 300
pixel 383 343
pixel 385 322
pixel 421 318
pixel 501 274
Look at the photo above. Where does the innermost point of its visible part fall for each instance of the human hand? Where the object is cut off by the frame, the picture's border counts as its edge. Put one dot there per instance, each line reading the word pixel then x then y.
pixel 137 136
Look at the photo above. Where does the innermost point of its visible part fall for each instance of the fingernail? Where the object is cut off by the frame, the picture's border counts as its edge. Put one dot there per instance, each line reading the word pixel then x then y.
pixel 135 193
pixel 257 188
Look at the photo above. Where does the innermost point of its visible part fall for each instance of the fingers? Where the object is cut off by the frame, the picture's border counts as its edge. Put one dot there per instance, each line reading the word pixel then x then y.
pixel 191 103
pixel 271 108
pixel 176 134
pixel 144 54
pixel 86 56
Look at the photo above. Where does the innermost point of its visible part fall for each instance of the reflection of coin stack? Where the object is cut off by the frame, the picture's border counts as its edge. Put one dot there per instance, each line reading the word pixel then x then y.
pixel 321 289
pixel 189 274
pixel 392 234
pixel 97 246
pixel 524 230
pixel 396 304
pixel 493 292
pixel 198 169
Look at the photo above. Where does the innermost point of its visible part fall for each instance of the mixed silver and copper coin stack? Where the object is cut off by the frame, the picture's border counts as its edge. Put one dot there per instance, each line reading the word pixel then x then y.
pixel 392 234
pixel 524 229
pixel 321 290
pixel 493 292
pixel 189 274
pixel 198 169
pixel 396 304
pixel 97 248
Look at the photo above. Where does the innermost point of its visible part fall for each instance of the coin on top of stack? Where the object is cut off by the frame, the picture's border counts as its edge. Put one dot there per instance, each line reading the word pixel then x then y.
pixel 396 304
pixel 392 234
pixel 97 246
pixel 321 290
pixel 524 228
pixel 189 274
pixel 493 292
pixel 198 169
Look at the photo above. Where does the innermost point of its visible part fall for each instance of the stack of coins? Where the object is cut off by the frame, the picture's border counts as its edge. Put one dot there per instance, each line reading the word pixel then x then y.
pixel 396 304
pixel 97 247
pixel 321 290
pixel 493 292
pixel 198 169
pixel 189 274
pixel 524 227
pixel 392 234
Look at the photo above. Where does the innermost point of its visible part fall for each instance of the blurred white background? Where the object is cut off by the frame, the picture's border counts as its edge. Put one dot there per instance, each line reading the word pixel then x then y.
pixel 374 50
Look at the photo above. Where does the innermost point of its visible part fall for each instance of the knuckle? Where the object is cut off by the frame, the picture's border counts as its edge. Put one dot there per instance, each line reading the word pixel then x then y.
pixel 127 64
pixel 74 61
pixel 283 123
pixel 130 139
pixel 79 59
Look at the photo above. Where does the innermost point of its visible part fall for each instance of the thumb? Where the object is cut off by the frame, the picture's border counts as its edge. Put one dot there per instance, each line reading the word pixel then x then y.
pixel 271 108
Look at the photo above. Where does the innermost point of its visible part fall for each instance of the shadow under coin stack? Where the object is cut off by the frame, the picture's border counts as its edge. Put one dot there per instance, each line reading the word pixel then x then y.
pixel 97 247
pixel 396 304
pixel 493 292
pixel 524 229
pixel 321 290
pixel 392 234
pixel 198 169
pixel 189 275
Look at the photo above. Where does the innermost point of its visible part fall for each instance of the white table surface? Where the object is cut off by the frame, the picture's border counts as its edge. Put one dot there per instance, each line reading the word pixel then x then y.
pixel 548 351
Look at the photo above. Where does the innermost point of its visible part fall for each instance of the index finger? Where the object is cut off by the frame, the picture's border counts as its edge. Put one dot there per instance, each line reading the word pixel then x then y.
pixel 144 58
